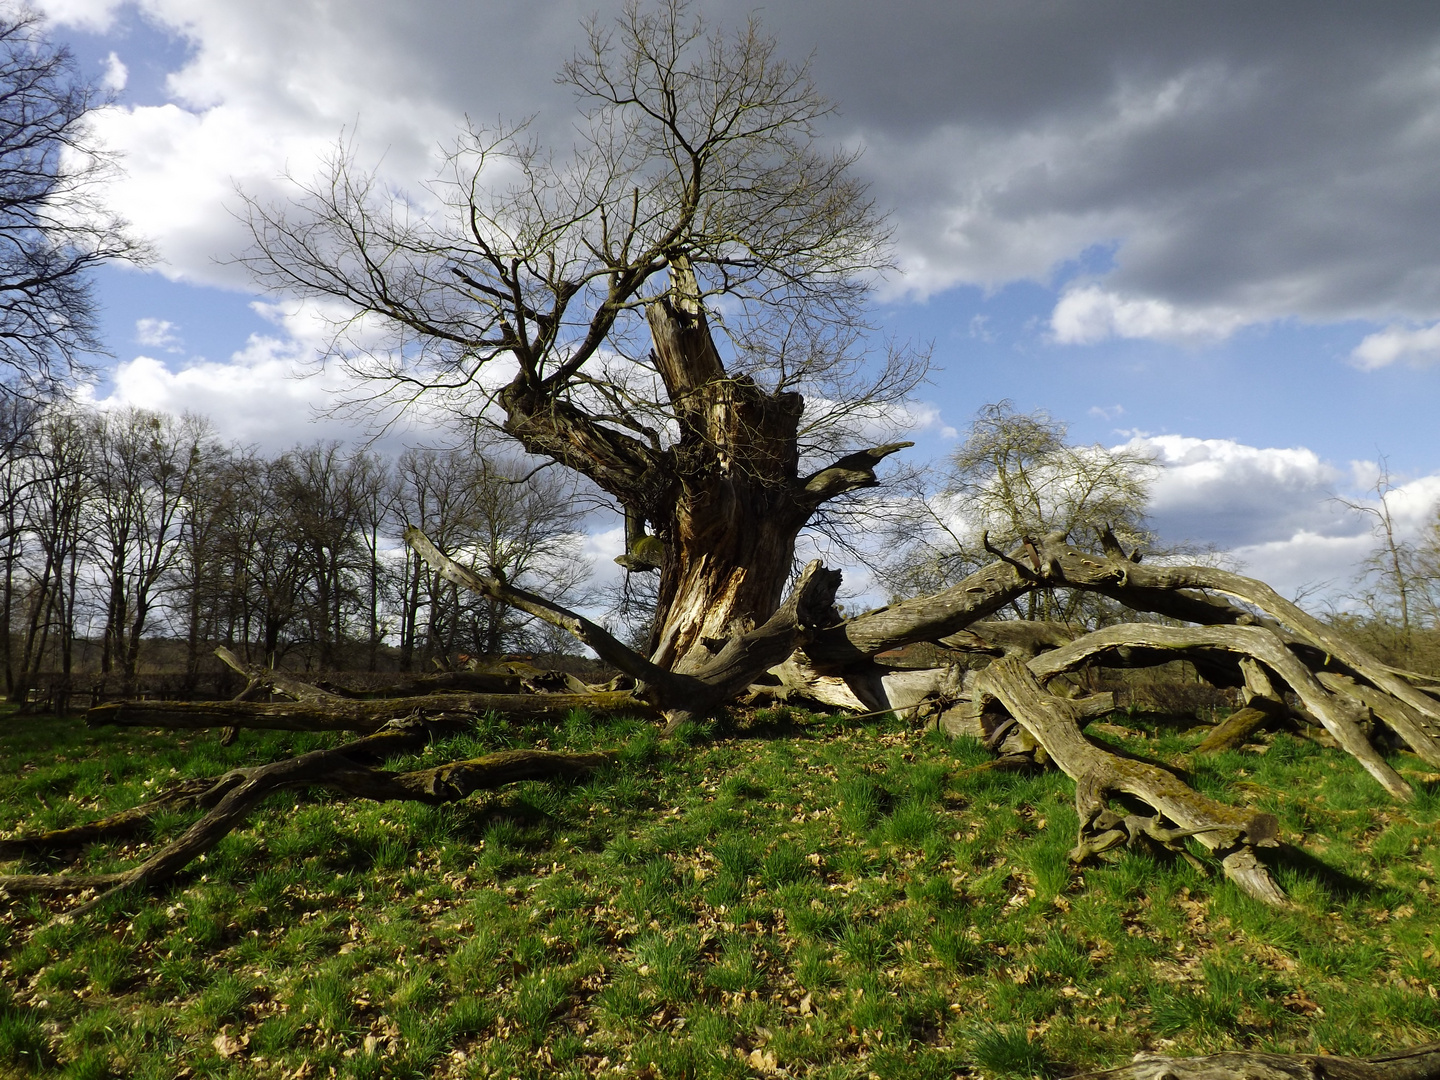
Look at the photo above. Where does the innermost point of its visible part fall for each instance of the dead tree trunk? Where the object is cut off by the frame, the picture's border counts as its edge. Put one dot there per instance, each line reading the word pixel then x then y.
pixel 725 499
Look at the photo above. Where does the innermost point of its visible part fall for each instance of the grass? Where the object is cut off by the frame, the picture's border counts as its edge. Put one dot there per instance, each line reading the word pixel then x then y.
pixel 822 898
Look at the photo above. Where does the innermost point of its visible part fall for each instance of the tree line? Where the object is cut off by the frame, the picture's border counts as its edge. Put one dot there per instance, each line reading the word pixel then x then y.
pixel 130 537
pixel 134 540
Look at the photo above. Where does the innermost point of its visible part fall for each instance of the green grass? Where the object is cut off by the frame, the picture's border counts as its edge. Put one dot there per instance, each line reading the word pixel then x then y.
pixel 830 899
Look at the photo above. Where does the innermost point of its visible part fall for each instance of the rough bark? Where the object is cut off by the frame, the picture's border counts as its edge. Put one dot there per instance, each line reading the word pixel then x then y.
pixel 178 798
pixel 347 715
pixel 263 678
pixel 1340 716
pixel 1010 637
pixel 1415 1063
pixel 1235 730
pixel 719 669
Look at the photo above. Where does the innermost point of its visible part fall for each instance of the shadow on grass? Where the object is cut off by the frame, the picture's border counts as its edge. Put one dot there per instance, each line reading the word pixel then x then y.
pixel 766 725
pixel 1337 882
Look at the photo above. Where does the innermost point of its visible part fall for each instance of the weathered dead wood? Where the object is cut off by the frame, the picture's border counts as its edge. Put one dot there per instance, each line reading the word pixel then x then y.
pixel 343 714
pixel 1065 565
pixel 713 674
pixel 927 618
pixel 1415 1063
pixel 1054 722
pixel 1408 723
pixel 232 797
pixel 1264 706
pixel 1235 730
pixel 606 645
pixel 743 657
pixel 500 679
pixel 1339 715
pixel 1183 592
pixel 276 680
pixel 185 795
pixel 1010 637
pixel 966 717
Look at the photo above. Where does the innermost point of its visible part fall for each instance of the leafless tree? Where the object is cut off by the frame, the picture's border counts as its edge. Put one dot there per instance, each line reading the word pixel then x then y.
pixel 1017 476
pixel 145 467
pixel 59 489
pixel 572 306
pixel 1385 582
pixel 502 516
pixel 54 225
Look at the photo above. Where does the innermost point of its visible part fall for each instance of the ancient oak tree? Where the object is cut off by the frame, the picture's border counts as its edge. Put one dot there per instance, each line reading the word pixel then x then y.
pixel 674 312
pixel 575 308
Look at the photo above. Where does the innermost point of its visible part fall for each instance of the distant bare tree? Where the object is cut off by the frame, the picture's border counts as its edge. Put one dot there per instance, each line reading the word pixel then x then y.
pixel 145 468
pixel 58 491
pixel 54 225
pixel 1017 476
pixel 498 516
pixel 1385 583
pixel 19 427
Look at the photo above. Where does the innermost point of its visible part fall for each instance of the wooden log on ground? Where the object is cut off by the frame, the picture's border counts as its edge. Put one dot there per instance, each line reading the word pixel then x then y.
pixel 1122 579
pixel 183 796
pixel 343 714
pixel 276 680
pixel 1235 730
pixel 1416 1063
pixel 1340 716
pixel 234 795
pixel 1054 722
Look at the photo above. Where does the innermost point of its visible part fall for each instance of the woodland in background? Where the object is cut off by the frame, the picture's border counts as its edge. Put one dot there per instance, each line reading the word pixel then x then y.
pixel 133 542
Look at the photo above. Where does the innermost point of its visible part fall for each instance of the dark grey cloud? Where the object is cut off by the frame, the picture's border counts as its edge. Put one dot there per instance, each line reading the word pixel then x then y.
pixel 1242 161
pixel 1270 158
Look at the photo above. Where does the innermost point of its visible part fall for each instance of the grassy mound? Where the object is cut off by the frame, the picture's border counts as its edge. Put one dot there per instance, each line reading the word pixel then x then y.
pixel 798 896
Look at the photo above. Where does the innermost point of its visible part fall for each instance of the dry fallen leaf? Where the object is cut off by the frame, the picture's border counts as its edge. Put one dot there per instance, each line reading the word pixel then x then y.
pixel 763 1061
pixel 226 1045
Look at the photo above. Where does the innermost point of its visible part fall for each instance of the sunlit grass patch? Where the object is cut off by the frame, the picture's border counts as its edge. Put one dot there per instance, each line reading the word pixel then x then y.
pixel 846 899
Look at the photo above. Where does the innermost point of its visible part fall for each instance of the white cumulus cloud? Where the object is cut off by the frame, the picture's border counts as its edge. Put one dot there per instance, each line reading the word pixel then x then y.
pixel 116 73
pixel 1090 314
pixel 158 334
pixel 1278 511
pixel 1419 345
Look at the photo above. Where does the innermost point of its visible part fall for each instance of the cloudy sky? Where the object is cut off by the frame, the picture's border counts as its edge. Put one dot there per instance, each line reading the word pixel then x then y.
pixel 1212 229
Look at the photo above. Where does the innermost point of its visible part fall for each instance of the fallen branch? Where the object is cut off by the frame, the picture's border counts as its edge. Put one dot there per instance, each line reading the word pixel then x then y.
pixel 1070 567
pixel 232 797
pixel 1235 730
pixel 1416 1063
pixel 183 796
pixel 1055 724
pixel 268 678
pixel 345 714
pixel 606 645
pixel 1340 716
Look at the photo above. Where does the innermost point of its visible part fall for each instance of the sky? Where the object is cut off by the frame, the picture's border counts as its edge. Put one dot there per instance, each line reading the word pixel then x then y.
pixel 1209 231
